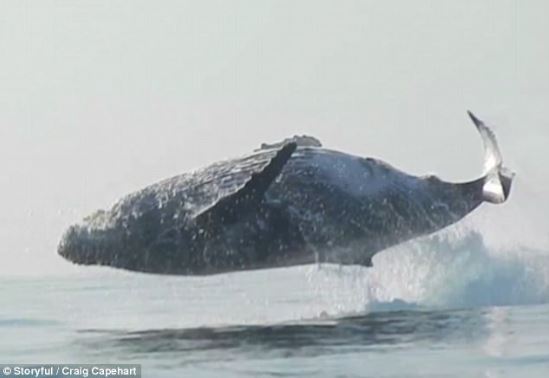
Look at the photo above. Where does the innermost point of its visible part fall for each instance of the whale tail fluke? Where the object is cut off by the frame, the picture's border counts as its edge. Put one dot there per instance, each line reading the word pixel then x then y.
pixel 497 178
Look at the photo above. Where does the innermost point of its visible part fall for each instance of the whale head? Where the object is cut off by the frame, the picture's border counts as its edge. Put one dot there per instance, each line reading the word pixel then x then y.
pixel 92 242
pixel 137 241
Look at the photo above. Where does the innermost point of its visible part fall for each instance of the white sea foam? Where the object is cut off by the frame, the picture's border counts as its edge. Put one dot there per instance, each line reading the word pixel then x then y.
pixel 452 269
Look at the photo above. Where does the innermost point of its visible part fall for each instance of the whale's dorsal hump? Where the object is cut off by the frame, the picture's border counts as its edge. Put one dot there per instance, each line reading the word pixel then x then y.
pixel 299 140
pixel 230 208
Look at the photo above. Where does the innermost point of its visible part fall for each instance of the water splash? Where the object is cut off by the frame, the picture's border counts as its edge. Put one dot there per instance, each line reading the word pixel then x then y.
pixel 452 269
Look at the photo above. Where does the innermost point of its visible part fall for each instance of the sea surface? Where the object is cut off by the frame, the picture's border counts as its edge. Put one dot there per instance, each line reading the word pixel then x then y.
pixel 439 307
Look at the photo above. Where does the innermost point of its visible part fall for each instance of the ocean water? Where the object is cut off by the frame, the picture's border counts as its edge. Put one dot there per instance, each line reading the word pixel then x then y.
pixel 444 306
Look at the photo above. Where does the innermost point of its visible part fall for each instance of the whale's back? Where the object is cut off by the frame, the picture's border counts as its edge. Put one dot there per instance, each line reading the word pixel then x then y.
pixel 185 195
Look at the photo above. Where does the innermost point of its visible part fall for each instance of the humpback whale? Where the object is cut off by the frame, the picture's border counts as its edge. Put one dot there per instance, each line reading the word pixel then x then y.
pixel 288 203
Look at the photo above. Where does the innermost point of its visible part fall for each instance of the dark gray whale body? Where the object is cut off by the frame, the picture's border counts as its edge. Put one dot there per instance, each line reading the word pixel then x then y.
pixel 285 204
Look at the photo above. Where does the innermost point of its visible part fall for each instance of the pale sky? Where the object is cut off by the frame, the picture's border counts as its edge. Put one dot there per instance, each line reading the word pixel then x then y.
pixel 100 98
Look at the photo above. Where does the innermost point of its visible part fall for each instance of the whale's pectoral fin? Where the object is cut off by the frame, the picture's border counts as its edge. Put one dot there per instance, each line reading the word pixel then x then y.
pixel 367 262
pixel 497 178
pixel 230 208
